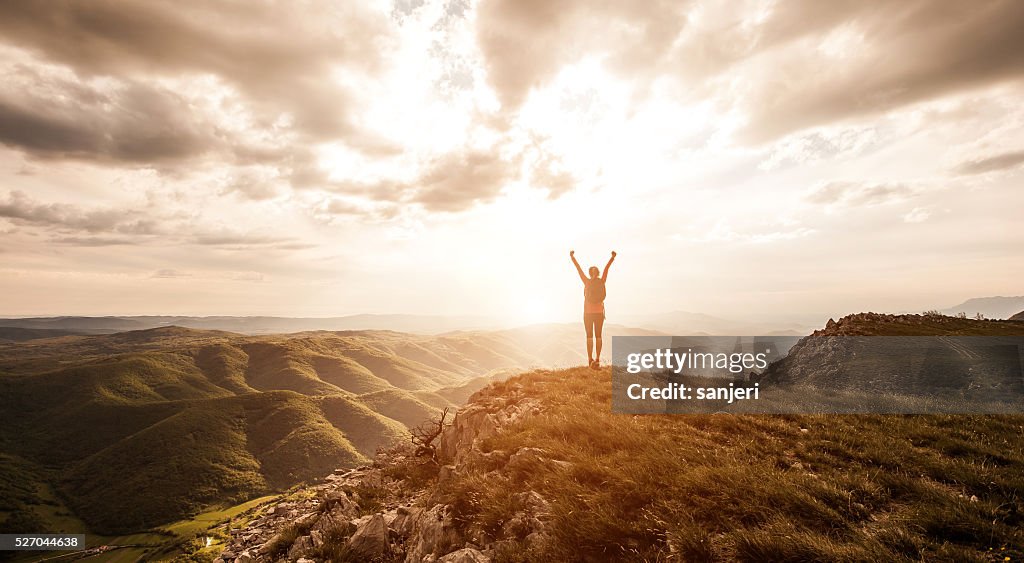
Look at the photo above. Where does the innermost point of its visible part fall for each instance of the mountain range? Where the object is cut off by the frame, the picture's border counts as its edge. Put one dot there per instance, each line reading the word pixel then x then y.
pixel 139 428
pixel 431 324
pixel 991 307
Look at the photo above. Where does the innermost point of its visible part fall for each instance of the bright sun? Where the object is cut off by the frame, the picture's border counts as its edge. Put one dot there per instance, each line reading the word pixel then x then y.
pixel 532 312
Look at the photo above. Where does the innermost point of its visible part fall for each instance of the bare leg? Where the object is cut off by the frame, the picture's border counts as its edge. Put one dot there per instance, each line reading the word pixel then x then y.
pixel 598 328
pixel 590 350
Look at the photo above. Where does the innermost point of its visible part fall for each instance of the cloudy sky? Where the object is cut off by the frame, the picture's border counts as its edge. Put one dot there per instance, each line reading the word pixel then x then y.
pixel 311 158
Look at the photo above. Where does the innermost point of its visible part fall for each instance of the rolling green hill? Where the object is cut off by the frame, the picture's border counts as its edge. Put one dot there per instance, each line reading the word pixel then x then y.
pixel 136 429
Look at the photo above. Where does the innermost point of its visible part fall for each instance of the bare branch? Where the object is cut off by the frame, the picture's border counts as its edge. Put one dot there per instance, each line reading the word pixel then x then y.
pixel 423 436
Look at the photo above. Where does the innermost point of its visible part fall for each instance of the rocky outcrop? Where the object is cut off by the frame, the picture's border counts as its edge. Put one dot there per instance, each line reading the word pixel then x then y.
pixel 1018 317
pixel 411 526
pixel 370 539
pixel 843 356
pixel 481 418
pixel 465 555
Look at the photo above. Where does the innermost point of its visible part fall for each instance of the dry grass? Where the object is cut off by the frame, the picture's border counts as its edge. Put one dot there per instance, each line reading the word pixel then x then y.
pixel 751 488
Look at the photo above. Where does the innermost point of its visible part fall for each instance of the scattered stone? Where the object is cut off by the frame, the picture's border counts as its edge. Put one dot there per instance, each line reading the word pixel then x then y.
pixel 370 539
pixel 465 555
pixel 405 519
pixel 271 543
pixel 433 534
pixel 307 520
pixel 301 547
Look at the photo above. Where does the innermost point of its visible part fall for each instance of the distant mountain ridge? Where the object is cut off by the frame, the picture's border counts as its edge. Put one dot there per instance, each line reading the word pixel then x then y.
pixel 997 307
pixel 255 325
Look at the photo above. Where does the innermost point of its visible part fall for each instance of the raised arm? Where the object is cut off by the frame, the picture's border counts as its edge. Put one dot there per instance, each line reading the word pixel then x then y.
pixel 572 254
pixel 604 276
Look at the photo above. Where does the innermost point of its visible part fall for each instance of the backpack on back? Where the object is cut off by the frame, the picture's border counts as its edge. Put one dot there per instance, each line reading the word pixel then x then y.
pixel 594 291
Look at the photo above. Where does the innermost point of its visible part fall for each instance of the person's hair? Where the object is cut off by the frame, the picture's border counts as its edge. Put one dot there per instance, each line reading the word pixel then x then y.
pixel 593 271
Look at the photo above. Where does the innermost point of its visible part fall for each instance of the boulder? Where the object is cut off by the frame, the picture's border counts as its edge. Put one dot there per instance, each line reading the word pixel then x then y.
pixel 336 519
pixel 245 557
pixel 307 520
pixel 405 519
pixel 465 555
pixel 300 547
pixel 371 538
pixel 317 537
pixel 481 419
pixel 433 534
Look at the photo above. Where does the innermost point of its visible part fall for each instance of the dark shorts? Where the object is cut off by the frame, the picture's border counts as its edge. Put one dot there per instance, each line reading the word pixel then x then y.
pixel 593 323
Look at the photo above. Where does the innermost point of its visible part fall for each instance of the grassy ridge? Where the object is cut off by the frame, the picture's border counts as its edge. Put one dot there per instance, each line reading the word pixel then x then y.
pixel 141 428
pixel 749 488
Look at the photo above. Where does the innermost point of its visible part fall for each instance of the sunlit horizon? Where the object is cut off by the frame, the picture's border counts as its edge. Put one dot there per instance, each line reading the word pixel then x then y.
pixel 443 158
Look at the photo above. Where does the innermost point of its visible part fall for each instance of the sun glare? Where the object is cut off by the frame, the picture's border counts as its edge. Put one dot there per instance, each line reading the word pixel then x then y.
pixel 532 311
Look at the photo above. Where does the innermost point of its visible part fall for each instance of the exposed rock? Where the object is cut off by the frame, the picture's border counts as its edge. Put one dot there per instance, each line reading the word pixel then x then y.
pixel 271 543
pixel 465 555
pixel 301 547
pixel 371 538
pixel 482 417
pixel 405 519
pixel 317 538
pixel 337 518
pixel 433 534
pixel 445 474
pixel 421 533
pixel 307 520
pixel 361 521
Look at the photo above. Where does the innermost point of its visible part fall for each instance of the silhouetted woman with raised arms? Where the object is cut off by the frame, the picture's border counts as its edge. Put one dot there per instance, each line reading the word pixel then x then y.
pixel 593 306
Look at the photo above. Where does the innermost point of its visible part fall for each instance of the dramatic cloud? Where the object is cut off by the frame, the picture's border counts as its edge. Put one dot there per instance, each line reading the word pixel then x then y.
pixel 1003 161
pixel 182 87
pixel 887 56
pixel 279 58
pixel 23 210
pixel 526 43
pixel 137 123
pixel 331 150
pixel 854 194
pixel 785 65
pixel 236 239
pixel 455 182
